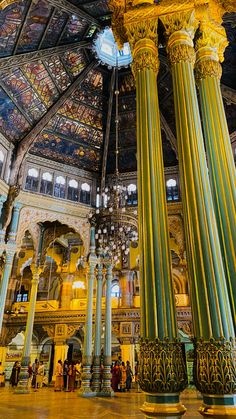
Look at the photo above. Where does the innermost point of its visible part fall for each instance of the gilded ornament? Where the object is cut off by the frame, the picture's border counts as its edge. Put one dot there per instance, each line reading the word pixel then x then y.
pixel 6 3
pixel 181 53
pixel 214 366
pixel 211 41
pixel 145 60
pixel 208 68
pixel 162 367
pixel 141 28
pixel 180 22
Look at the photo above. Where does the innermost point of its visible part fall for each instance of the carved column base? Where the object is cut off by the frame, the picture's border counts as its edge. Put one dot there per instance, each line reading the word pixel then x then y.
pixel 85 389
pixel 106 390
pixel 219 407
pixel 22 387
pixel 165 406
pixel 96 382
pixel 215 377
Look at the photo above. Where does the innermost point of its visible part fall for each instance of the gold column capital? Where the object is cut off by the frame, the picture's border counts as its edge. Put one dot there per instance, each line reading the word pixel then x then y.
pixel 180 28
pixel 210 46
pixel 118 8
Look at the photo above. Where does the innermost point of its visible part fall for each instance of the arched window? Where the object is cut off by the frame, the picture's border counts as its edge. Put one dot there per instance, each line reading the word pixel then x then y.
pixel 85 193
pixel 132 194
pixel 60 187
pixel 73 193
pixel 22 295
pixel 46 183
pixel 115 290
pixel 32 180
pixel 1 161
pixel 172 192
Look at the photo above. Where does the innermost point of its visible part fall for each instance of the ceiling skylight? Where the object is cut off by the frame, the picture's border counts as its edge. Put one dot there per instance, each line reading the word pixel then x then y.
pixel 107 51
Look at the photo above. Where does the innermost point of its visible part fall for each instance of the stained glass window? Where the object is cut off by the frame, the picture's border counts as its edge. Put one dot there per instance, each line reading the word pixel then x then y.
pixel 85 193
pixel 172 190
pixel 60 187
pixel 13 124
pixel 73 193
pixel 42 82
pixel 55 28
pixel 58 72
pixel 32 180
pixel 74 61
pixel 18 85
pixel 75 29
pixel 82 113
pixel 39 14
pixel 10 21
pixel 46 184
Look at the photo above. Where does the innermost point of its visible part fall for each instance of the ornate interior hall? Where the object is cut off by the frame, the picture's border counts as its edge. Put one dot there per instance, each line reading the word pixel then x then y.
pixel 117 208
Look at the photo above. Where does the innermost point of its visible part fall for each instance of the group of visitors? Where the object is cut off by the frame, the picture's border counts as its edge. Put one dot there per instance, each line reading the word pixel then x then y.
pixel 68 376
pixel 122 376
pixel 37 375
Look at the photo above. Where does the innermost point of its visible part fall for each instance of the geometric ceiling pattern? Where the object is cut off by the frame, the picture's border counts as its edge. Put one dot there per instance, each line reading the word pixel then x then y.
pixel 32 86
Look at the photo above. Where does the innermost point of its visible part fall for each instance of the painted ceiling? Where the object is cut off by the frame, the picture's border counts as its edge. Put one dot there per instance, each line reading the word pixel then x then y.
pixel 33 84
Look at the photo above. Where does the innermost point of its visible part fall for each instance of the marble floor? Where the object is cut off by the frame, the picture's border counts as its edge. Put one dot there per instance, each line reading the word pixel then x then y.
pixel 46 404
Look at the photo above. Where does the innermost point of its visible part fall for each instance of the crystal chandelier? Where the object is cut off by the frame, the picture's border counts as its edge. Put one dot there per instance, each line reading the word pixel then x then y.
pixel 116 222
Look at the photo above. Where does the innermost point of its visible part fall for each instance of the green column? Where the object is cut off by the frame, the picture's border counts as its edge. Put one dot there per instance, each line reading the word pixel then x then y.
pixel 210 46
pixel 161 354
pixel 212 319
pixel 98 329
pixel 10 252
pixel 22 387
pixel 106 385
pixel 14 221
pixel 85 389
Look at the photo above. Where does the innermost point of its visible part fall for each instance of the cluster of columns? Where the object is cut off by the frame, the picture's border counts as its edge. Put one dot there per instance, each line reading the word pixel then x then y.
pixel 208 194
pixel 91 379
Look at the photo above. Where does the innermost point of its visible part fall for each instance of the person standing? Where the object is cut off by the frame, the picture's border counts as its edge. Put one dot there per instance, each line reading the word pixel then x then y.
pixel 78 374
pixel 30 375
pixel 59 377
pixel 40 375
pixel 129 376
pixel 65 374
pixel 15 374
pixel 35 372
pixel 122 377
pixel 115 377
pixel 71 377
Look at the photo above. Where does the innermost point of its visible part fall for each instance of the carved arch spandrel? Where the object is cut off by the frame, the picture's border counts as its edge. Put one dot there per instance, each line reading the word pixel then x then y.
pixel 30 217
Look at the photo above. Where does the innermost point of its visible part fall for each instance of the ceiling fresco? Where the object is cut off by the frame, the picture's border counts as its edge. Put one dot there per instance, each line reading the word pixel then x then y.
pixel 76 130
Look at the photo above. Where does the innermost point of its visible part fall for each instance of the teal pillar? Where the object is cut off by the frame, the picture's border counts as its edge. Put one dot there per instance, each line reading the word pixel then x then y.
pixel 210 46
pixel 5 280
pixel 98 330
pixel 22 387
pixel 2 232
pixel 214 354
pixel 85 390
pixel 14 221
pixel 106 386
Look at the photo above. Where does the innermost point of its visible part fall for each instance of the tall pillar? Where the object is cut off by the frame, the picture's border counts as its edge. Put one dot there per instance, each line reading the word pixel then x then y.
pixel 14 221
pixel 127 348
pixel 98 330
pixel 214 365
pixel 106 385
pixel 210 48
pixel 160 350
pixel 10 252
pixel 126 288
pixel 22 386
pixel 85 389
pixel 2 232
pixel 60 353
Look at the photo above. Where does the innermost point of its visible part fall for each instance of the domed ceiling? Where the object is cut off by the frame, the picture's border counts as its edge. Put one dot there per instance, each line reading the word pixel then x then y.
pixel 54 92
